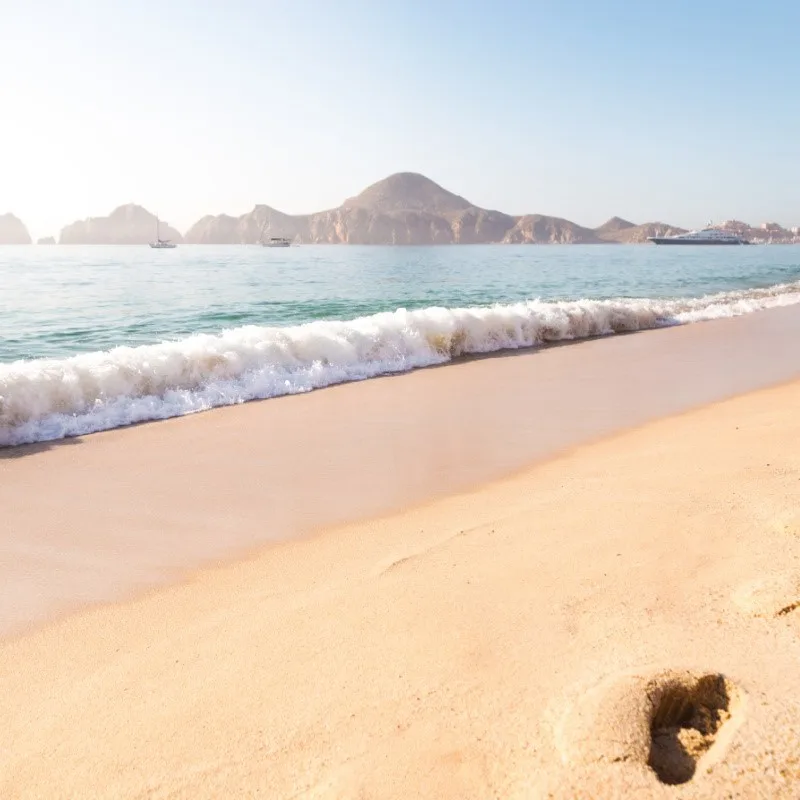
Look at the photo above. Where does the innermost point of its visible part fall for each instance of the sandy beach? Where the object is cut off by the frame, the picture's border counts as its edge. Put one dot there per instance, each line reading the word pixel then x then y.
pixel 568 573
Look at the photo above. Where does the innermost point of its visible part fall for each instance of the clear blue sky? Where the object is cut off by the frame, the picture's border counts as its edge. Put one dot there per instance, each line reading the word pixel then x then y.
pixel 674 111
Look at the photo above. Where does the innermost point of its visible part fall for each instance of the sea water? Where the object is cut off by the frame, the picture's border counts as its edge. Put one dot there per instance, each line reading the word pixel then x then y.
pixel 93 338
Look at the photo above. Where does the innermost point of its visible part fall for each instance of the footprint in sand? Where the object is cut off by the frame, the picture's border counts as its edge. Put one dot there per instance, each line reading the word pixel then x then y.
pixel 685 725
pixel 671 724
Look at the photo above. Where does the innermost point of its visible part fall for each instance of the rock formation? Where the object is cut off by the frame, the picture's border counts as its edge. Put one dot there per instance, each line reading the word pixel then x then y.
pixel 128 224
pixel 638 234
pixel 13 230
pixel 539 229
pixel 405 208
pixel 46 240
pixel 408 191
pixel 614 225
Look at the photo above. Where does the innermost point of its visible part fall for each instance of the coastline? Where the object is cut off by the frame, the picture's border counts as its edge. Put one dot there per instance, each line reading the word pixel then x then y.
pixel 429 214
pixel 99 518
pixel 510 640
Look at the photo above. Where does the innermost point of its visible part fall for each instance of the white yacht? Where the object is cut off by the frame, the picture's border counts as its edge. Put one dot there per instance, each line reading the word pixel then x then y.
pixel 159 243
pixel 273 241
pixel 705 236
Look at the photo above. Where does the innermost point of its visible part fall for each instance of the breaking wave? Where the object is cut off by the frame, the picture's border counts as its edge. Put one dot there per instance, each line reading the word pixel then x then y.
pixel 45 399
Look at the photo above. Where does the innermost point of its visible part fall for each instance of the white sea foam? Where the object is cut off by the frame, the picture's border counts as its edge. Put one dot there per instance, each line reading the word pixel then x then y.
pixel 47 399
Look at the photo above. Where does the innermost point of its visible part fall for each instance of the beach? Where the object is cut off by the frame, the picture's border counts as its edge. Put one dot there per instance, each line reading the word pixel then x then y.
pixel 569 572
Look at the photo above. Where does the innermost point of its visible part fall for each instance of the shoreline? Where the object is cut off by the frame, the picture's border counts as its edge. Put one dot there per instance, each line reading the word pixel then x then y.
pixel 102 518
pixel 77 393
pixel 501 641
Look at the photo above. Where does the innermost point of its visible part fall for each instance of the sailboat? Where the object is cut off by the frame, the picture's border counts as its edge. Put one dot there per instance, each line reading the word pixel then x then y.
pixel 159 243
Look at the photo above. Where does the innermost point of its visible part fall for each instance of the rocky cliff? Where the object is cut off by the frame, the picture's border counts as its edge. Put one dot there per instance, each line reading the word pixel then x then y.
pixel 539 229
pixel 13 230
pixel 128 224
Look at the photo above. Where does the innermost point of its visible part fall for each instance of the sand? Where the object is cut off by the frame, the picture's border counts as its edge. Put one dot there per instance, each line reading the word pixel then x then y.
pixel 622 619
pixel 96 518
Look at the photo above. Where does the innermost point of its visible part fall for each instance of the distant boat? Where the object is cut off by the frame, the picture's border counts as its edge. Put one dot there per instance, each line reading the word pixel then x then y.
pixel 159 243
pixel 705 236
pixel 274 241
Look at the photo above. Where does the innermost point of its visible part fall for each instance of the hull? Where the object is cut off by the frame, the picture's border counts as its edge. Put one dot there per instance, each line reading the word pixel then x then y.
pixel 695 242
pixel 282 244
pixel 163 246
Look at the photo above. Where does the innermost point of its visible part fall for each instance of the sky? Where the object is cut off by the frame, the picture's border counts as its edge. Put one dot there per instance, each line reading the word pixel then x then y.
pixel 672 111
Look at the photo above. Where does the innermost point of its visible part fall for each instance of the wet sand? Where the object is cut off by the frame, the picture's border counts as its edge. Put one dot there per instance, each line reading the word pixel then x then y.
pixel 612 621
pixel 97 518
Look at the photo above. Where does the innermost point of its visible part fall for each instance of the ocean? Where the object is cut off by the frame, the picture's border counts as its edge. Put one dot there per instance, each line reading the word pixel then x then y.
pixel 94 338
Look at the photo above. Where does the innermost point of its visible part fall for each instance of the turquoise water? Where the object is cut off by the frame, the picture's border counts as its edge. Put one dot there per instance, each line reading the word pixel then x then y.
pixel 93 338
pixel 59 301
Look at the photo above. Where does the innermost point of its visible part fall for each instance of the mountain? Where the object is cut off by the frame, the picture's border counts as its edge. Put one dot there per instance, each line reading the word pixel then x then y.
pixel 360 225
pixel 128 224
pixel 539 229
pixel 13 230
pixel 405 208
pixel 408 191
pixel 212 230
pixel 614 225
pixel 478 226
pixel 638 234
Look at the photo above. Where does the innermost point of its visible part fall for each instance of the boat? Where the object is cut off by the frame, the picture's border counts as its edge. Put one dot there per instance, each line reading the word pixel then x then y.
pixel 277 241
pixel 704 236
pixel 273 241
pixel 159 243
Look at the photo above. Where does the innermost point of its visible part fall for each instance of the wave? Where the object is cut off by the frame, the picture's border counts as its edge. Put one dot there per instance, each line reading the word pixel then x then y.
pixel 46 399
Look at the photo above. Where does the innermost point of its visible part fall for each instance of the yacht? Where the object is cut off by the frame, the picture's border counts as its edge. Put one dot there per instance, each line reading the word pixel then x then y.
pixel 159 243
pixel 705 236
pixel 274 241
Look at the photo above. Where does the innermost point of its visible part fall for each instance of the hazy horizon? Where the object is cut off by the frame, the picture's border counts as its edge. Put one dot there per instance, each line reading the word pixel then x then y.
pixel 582 111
